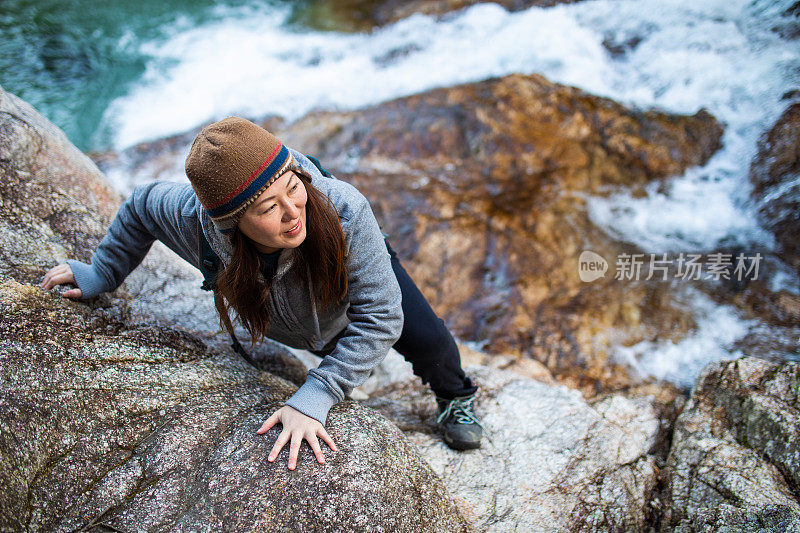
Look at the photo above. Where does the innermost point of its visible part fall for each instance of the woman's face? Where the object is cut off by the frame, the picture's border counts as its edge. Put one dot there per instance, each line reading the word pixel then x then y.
pixel 277 219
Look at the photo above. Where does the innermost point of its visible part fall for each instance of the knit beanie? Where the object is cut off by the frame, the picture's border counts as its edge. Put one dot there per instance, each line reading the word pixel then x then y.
pixel 230 164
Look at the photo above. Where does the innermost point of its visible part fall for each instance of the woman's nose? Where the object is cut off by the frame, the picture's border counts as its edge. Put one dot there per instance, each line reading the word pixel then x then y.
pixel 291 212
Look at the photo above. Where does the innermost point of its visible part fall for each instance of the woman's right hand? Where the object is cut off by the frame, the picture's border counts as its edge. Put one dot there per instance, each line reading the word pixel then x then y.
pixel 59 275
pixel 296 427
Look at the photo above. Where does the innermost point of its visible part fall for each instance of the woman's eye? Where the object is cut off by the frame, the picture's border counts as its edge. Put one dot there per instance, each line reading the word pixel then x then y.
pixel 293 188
pixel 269 209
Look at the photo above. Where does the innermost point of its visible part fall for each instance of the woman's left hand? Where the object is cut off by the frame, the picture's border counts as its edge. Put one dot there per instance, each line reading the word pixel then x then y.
pixel 296 427
pixel 61 275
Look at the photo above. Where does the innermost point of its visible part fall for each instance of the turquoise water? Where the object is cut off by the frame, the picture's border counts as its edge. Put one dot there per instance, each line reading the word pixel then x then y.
pixel 70 59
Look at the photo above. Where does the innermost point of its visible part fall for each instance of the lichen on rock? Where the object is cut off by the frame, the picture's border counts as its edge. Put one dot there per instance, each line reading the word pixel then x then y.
pixel 735 453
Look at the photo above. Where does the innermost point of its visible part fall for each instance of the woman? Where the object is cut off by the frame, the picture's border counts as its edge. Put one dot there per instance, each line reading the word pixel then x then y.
pixel 305 263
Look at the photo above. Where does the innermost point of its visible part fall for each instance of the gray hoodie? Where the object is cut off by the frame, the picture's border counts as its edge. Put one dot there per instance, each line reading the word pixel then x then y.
pixel 370 315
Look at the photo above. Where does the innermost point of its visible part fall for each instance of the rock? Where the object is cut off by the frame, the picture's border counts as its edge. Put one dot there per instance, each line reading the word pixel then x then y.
pixel 550 461
pixel 778 314
pixel 483 188
pixel 62 217
pixel 140 427
pixel 358 15
pixel 775 174
pixel 488 183
pixel 128 412
pixel 55 204
pixel 770 518
pixel 735 457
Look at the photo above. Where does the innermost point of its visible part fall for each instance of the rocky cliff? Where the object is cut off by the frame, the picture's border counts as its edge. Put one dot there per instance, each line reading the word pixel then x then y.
pixel 109 419
pixel 483 188
pixel 129 412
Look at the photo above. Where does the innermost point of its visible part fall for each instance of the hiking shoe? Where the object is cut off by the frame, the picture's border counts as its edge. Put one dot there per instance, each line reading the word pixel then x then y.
pixel 462 430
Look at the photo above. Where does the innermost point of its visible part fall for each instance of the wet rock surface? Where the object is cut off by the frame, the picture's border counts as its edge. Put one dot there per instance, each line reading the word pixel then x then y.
pixel 123 413
pixel 483 189
pixel 359 15
pixel 735 458
pixel 775 173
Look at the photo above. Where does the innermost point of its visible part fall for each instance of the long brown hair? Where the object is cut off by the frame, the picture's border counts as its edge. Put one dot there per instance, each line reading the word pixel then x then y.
pixel 242 286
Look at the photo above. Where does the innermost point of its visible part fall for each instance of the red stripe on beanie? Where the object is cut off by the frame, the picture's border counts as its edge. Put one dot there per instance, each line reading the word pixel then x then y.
pixel 249 180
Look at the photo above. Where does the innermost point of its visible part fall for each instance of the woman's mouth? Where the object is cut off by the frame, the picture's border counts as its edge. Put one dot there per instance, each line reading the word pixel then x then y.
pixel 295 230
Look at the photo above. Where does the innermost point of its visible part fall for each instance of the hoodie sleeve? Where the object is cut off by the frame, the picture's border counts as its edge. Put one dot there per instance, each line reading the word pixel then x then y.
pixel 152 211
pixel 376 319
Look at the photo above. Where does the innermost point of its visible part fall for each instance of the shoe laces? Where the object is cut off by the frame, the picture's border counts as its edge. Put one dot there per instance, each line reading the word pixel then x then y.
pixel 461 409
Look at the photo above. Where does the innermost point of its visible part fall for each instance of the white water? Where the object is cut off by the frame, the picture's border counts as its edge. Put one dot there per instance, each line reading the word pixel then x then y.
pixel 718 54
pixel 718 327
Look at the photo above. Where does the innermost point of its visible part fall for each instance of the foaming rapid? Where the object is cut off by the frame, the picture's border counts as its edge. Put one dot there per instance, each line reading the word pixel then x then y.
pixel 718 328
pixel 727 56
pixel 261 66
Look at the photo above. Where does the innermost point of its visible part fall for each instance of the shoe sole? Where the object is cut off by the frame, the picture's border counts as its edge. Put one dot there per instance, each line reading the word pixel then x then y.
pixel 461 445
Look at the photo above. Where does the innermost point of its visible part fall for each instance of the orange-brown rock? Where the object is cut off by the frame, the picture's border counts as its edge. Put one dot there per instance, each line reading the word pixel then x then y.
pixel 358 15
pixel 483 189
pixel 775 173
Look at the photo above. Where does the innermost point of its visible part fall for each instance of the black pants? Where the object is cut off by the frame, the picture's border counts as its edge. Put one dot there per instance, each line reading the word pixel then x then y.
pixel 426 342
